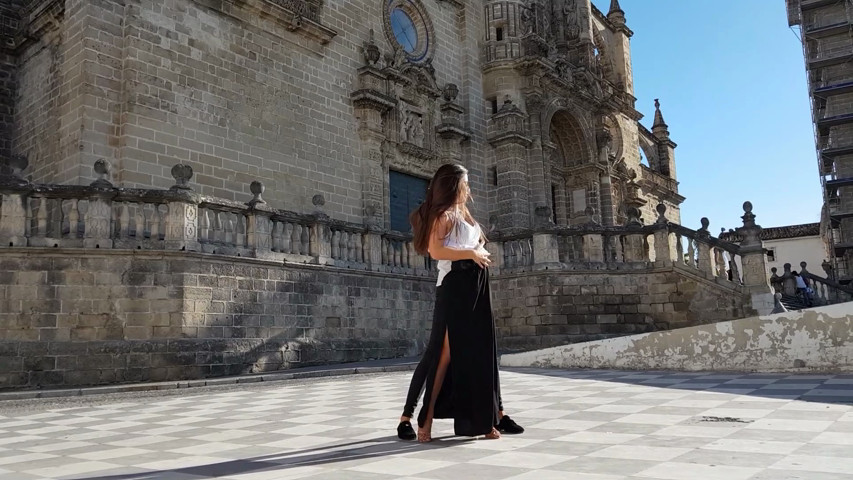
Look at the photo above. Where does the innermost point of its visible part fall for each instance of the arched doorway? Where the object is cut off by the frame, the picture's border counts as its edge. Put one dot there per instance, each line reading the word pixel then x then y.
pixel 574 182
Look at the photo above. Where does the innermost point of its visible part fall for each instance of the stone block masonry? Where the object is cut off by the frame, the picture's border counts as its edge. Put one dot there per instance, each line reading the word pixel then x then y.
pixel 539 309
pixel 98 317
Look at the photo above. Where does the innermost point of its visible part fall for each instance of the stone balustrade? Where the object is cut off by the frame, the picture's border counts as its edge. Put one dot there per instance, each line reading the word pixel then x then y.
pixel 103 216
pixel 824 290
pixel 633 246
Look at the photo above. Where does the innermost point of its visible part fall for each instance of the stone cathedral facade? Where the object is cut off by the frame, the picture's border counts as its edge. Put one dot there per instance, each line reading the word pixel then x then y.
pixel 193 188
pixel 359 101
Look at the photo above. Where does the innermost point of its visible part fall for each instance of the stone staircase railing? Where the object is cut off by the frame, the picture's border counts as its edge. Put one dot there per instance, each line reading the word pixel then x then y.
pixel 631 246
pixel 822 291
pixel 638 247
pixel 106 217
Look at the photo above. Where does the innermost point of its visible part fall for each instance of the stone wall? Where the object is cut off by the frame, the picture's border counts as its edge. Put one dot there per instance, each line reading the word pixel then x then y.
pixel 74 317
pixel 814 340
pixel 9 24
pixel 240 90
pixel 545 308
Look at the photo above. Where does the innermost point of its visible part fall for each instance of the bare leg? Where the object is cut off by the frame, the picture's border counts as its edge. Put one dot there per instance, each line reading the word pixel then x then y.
pixel 424 434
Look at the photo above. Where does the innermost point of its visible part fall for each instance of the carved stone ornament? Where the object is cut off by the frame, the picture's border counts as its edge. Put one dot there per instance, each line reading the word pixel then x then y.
pixel 371 51
pixel 450 92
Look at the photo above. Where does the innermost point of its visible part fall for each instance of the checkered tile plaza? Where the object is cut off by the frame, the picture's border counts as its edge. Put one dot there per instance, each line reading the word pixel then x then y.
pixel 581 425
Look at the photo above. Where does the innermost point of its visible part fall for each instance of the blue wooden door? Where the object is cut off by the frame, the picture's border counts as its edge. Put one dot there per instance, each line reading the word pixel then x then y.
pixel 407 193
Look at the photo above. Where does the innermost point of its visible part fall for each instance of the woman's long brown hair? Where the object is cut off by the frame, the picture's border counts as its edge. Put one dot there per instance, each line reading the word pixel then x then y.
pixel 442 195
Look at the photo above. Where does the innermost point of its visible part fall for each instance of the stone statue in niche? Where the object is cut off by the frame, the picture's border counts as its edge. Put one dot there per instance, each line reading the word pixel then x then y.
pixel 561 65
pixel 405 125
pixel 411 127
pixel 417 136
pixel 528 19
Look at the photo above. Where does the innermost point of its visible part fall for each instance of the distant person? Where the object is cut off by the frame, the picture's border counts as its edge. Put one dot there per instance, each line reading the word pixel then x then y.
pixel 462 342
pixel 803 289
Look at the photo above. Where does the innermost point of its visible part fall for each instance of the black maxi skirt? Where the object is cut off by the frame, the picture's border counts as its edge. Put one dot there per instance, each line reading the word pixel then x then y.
pixel 470 394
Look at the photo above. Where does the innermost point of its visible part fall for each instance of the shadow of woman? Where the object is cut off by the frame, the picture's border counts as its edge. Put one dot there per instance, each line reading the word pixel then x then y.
pixel 320 455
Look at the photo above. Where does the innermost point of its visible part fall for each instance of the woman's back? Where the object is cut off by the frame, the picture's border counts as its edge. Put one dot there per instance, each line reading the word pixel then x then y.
pixel 463 235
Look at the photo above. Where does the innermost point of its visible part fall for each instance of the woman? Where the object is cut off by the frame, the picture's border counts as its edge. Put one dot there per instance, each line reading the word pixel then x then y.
pixel 468 389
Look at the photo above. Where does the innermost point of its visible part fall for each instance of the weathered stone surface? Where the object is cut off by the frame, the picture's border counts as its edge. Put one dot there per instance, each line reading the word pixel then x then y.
pixel 134 333
pixel 530 308
pixel 813 340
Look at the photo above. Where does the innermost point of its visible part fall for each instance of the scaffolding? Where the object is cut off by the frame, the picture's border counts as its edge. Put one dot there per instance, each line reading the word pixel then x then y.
pixel 820 91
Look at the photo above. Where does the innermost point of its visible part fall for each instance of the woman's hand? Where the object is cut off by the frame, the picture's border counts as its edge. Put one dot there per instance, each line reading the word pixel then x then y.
pixel 481 256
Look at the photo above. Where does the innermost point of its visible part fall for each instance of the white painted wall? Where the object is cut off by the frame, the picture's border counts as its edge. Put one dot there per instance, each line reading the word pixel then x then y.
pixel 818 339
pixel 796 250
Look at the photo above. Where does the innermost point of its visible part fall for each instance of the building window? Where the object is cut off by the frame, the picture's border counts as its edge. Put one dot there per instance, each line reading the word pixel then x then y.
pixel 771 254
pixel 499 33
pixel 495 176
pixel 493 103
pixel 404 30
pixel 408 26
pixel 407 193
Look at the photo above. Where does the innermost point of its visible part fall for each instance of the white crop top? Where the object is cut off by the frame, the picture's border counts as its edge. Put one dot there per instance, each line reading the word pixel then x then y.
pixel 464 236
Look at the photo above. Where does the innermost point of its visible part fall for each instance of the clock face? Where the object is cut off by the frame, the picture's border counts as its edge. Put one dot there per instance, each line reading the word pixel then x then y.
pixel 408 26
pixel 404 30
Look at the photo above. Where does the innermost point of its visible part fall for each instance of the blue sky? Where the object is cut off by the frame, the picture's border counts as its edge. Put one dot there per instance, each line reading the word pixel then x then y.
pixel 732 86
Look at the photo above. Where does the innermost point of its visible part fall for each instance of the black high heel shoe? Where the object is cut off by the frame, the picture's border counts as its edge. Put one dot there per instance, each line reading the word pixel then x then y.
pixel 405 431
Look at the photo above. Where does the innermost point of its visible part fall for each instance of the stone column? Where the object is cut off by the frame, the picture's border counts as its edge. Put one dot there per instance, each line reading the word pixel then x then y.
pixel 497 257
pixel 634 243
pixel 320 241
pixel 259 224
pixel 753 257
pixel 706 261
pixel 506 135
pixel 451 131
pixel 182 221
pixel 13 220
pixel 97 223
pixel 664 249
pixel 371 102
pixel 373 250
pixel 539 156
pixel 545 249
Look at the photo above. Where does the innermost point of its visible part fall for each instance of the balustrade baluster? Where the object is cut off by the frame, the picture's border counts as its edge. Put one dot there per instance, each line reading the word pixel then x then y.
pixel 351 247
pixel 218 227
pixel 244 237
pixel 384 250
pixel 73 219
pixel 287 238
pixel 691 252
pixel 139 218
pixel 305 241
pixel 336 244
pixel 229 228
pixel 359 246
pixel 276 236
pixel 679 248
pixel 124 221
pixel 155 223
pixel 203 225
pixel 720 262
pixel 41 217
pixel 404 252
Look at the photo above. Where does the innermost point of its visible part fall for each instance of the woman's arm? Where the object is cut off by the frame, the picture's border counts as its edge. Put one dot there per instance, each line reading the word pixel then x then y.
pixel 438 251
